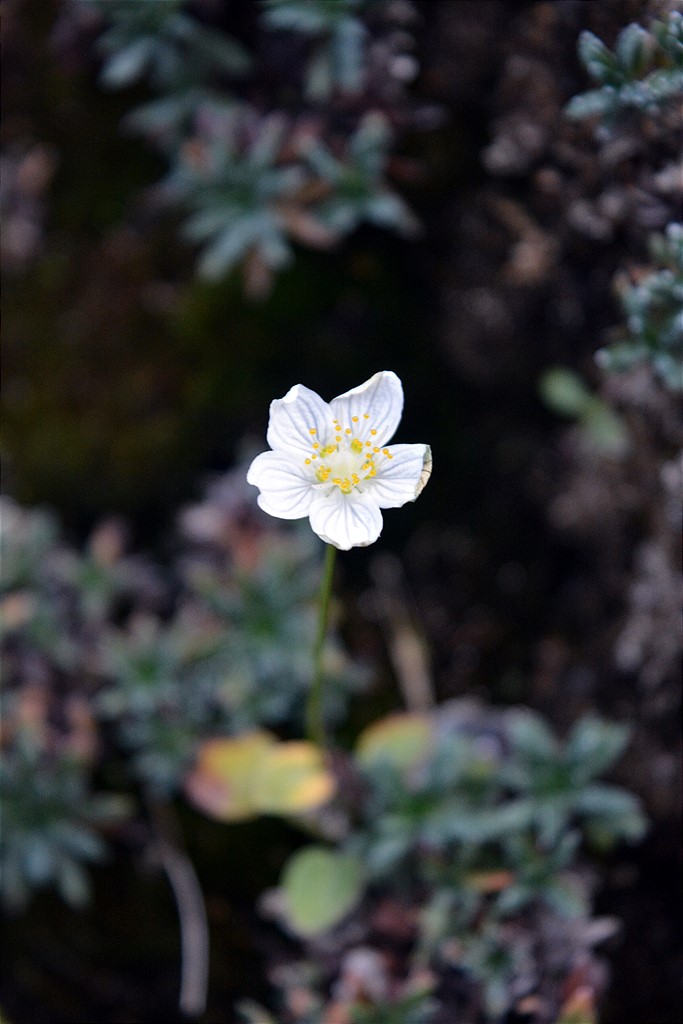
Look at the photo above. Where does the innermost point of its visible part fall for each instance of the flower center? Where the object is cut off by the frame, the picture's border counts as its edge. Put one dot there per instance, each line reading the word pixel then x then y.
pixel 346 460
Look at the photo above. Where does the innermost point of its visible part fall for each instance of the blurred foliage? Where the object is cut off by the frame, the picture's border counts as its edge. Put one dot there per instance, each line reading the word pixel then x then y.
pixel 150 667
pixel 449 874
pixel 258 180
pixel 478 819
pixel 338 60
pixel 51 820
pixel 475 819
pixel 564 392
pixel 643 73
pixel 652 301
pixel 157 40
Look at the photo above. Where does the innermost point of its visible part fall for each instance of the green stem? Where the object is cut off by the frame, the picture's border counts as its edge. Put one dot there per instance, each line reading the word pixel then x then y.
pixel 315 725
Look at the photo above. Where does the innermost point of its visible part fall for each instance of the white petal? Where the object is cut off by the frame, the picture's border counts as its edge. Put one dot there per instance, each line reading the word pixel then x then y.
pixel 346 520
pixel 376 405
pixel 292 419
pixel 401 478
pixel 285 484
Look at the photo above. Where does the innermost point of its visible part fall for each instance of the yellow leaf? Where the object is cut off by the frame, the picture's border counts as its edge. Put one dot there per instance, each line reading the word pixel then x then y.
pixel 399 740
pixel 222 781
pixel 242 776
pixel 292 778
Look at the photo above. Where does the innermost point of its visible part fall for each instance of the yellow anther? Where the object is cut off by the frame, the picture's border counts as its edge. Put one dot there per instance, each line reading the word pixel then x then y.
pixel 338 438
pixel 354 419
pixel 307 462
pixel 375 450
pixel 356 446
pixel 312 431
pixel 314 456
pixel 328 449
pixel 385 451
pixel 348 430
pixel 366 415
pixel 355 478
pixel 367 465
pixel 336 480
pixel 322 473
pixel 316 444
pixel 368 443
pixel 373 432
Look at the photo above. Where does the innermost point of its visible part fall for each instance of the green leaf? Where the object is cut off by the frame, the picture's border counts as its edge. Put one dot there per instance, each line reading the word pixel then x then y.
pixel 634 50
pixel 125 66
pixel 598 60
pixel 615 811
pixel 531 737
pixel 72 882
pixel 564 392
pixel 593 102
pixel 593 746
pixel 567 896
pixel 320 887
pixel 604 428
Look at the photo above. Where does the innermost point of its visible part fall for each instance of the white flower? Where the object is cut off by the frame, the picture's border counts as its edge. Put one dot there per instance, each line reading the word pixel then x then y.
pixel 332 464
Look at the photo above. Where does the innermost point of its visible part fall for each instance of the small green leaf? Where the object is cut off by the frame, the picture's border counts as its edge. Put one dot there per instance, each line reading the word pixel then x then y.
pixel 320 887
pixel 564 392
pixel 531 737
pixel 598 60
pixel 593 747
pixel 128 64
pixel 634 48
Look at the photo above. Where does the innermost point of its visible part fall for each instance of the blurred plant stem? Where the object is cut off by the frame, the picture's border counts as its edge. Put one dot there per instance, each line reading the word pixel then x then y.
pixel 187 892
pixel 315 726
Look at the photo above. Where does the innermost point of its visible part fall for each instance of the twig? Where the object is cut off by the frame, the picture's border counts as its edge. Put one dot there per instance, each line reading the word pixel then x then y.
pixel 405 645
pixel 187 892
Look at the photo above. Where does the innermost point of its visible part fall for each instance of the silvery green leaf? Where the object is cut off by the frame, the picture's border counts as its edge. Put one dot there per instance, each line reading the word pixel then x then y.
pixel 72 882
pixel 594 746
pixel 348 54
pixel 124 67
pixel 593 102
pixel 599 61
pixel 634 49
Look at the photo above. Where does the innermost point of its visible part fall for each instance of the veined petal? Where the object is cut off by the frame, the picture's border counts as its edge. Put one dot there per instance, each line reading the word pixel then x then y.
pixel 374 406
pixel 297 420
pixel 285 484
pixel 401 478
pixel 346 520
